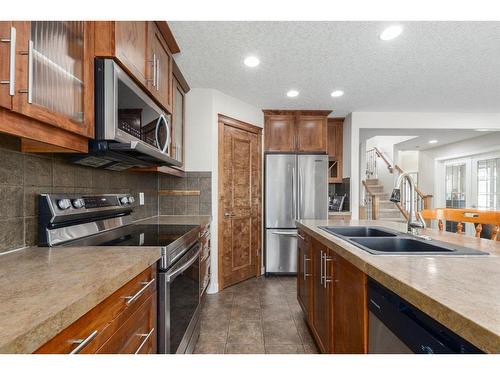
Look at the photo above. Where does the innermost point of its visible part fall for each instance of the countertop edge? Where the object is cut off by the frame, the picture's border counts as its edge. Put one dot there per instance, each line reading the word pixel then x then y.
pixel 25 343
pixel 416 297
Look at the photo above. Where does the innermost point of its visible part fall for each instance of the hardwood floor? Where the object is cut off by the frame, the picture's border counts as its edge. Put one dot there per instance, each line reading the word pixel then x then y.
pixel 259 316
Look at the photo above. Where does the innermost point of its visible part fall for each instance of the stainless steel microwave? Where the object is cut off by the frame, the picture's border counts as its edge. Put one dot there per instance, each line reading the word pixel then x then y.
pixel 131 130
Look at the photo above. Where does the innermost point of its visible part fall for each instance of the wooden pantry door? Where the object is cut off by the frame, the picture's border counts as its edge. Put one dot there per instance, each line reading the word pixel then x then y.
pixel 240 201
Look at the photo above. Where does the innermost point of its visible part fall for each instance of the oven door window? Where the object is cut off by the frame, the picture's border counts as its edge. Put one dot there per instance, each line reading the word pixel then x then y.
pixel 184 300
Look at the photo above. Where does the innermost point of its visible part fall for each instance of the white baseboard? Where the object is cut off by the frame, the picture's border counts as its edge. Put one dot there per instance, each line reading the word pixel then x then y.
pixel 213 288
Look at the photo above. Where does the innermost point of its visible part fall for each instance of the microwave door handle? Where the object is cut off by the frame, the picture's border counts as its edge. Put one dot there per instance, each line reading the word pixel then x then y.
pixel 161 119
pixel 167 143
pixel 170 276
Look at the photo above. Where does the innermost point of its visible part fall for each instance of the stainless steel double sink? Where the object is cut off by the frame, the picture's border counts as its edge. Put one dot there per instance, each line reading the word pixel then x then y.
pixel 382 241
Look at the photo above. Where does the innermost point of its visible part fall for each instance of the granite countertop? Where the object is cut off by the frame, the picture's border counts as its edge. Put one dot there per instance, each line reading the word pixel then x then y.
pixel 461 292
pixel 43 290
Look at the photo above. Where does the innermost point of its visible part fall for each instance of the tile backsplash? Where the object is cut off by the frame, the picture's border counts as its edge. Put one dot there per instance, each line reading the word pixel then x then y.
pixel 190 204
pixel 23 176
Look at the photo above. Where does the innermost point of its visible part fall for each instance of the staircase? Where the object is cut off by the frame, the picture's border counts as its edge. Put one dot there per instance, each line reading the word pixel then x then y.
pixel 387 209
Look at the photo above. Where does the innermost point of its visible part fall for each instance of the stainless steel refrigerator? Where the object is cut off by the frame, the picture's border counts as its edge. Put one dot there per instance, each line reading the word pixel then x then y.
pixel 296 188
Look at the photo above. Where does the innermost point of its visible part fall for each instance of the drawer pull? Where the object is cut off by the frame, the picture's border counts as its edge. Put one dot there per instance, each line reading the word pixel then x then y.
pixel 146 284
pixel 82 343
pixel 146 338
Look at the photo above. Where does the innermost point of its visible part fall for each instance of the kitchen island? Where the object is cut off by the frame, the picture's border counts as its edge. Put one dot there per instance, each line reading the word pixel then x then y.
pixel 460 292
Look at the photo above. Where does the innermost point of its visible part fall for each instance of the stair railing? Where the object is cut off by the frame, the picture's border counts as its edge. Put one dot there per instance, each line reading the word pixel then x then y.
pixel 371 203
pixel 371 200
pixel 371 163
pixel 422 201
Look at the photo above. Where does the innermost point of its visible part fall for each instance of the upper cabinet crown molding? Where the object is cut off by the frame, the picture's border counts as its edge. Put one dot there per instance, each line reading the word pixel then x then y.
pixel 301 112
pixel 168 36
pixel 301 131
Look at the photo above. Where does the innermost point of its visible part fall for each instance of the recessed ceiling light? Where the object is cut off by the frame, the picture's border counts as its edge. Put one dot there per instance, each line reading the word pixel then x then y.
pixel 433 141
pixel 251 61
pixel 482 130
pixel 337 93
pixel 292 93
pixel 391 32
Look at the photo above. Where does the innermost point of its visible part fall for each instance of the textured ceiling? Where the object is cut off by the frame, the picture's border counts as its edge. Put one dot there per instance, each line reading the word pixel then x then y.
pixel 432 66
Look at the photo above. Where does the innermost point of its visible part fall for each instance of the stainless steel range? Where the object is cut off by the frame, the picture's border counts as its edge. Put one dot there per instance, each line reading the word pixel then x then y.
pixel 105 220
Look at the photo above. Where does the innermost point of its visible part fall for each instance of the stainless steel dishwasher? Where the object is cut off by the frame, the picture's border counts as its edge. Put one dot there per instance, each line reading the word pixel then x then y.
pixel 397 327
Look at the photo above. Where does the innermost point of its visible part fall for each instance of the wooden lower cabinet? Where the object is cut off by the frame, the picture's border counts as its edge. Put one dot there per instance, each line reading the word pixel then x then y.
pixel 333 297
pixel 350 320
pixel 125 322
pixel 321 322
pixel 304 273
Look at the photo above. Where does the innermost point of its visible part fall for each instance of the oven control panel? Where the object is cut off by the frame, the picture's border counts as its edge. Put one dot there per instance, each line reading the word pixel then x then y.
pixel 58 212
pixel 66 204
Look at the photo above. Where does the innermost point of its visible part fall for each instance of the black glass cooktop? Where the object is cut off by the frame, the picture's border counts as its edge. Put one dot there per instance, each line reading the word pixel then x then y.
pixel 136 235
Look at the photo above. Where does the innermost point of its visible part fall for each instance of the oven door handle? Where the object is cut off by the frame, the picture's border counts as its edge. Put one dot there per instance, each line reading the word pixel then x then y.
pixel 172 275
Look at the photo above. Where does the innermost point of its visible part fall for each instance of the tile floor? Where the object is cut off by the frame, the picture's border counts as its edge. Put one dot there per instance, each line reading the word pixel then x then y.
pixel 257 316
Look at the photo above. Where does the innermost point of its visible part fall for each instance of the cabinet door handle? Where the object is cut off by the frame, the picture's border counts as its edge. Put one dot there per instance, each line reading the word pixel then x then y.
pixel 301 237
pixel 154 69
pixel 321 268
pixel 146 284
pixel 327 279
pixel 82 343
pixel 306 275
pixel 12 61
pixel 158 75
pixel 146 338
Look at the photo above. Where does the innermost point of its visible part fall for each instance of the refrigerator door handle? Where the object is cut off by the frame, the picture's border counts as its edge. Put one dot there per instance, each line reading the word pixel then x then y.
pixel 294 198
pixel 299 188
pixel 278 233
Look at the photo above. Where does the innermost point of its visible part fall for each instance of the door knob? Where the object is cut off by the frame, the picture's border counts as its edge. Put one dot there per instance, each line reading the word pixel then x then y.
pixel 228 215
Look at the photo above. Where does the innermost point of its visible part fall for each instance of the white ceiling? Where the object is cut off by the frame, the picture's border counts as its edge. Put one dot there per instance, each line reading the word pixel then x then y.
pixel 421 137
pixel 432 66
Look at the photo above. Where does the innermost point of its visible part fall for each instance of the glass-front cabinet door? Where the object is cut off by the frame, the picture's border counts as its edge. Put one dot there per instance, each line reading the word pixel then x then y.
pixel 54 82
pixel 178 123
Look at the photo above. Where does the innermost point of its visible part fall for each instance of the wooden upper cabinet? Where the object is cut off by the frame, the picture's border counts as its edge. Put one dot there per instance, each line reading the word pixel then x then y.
pixel 335 149
pixel 159 66
pixel 311 134
pixel 295 131
pixel 141 49
pixel 125 41
pixel 279 133
pixel 178 108
pixel 54 74
pixel 350 315
pixel 130 47
pixel 7 63
pixel 335 136
pixel 47 89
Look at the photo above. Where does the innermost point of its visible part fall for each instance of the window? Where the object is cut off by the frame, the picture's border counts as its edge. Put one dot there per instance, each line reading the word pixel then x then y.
pixel 455 186
pixel 455 191
pixel 488 184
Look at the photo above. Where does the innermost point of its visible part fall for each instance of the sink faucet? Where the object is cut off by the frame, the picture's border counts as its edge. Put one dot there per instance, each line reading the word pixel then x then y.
pixel 415 220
